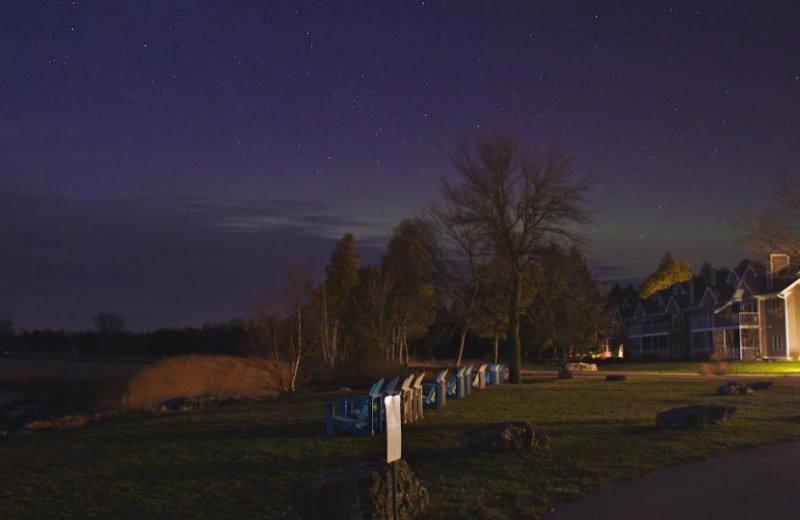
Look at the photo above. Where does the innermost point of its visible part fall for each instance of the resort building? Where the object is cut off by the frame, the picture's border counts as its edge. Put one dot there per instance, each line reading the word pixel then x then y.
pixel 751 312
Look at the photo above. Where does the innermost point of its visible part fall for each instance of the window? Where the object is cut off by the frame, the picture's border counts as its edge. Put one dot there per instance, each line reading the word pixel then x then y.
pixel 777 343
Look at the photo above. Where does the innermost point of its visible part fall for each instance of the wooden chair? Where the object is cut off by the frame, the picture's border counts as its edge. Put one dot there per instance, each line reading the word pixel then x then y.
pixel 417 401
pixel 479 381
pixel 408 399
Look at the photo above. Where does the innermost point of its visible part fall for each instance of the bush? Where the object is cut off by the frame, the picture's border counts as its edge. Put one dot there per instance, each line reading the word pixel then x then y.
pixel 719 368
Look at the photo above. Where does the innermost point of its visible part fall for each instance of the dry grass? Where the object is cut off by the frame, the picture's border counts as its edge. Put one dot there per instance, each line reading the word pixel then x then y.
pixel 221 376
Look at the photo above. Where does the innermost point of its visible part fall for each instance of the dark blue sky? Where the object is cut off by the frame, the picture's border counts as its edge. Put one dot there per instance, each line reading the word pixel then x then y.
pixel 166 160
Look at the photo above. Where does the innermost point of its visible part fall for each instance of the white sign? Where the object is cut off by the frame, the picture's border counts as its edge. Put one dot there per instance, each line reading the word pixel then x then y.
pixel 393 422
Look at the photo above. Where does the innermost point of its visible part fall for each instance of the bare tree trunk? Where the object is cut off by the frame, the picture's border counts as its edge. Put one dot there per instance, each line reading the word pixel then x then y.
pixel 461 347
pixel 405 345
pixel 514 346
pixel 496 348
pixel 334 341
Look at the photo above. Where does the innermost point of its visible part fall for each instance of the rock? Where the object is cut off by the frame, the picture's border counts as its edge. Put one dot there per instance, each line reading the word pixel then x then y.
pixel 616 377
pixel 363 491
pixel 68 422
pixel 760 385
pixel 502 437
pixel 698 416
pixel 582 367
pixel 41 425
pixel 565 373
pixel 186 403
pixel 734 388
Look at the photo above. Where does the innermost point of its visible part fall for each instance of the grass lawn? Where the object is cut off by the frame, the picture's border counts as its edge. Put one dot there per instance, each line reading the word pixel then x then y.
pixel 686 367
pixel 244 460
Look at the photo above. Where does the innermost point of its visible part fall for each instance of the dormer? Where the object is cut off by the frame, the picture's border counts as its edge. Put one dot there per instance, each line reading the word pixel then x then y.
pixel 640 313
pixel 672 305
pixel 709 299
pixel 656 298
pixel 678 289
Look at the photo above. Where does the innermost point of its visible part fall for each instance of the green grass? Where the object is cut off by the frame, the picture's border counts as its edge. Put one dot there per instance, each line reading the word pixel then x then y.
pixel 686 367
pixel 245 460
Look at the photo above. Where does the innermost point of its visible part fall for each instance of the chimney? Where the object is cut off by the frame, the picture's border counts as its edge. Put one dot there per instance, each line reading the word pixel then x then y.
pixel 778 265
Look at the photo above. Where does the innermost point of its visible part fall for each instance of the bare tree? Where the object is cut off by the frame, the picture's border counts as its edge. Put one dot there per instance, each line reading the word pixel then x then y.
pixel 515 200
pixel 108 323
pixel 279 332
pixel 778 228
pixel 375 321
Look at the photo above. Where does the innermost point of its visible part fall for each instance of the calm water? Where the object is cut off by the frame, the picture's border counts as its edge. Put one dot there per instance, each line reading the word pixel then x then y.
pixel 6 396
pixel 70 370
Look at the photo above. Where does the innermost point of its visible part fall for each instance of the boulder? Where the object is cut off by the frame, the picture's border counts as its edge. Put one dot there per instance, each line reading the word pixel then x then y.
pixel 363 491
pixel 502 437
pixel 616 377
pixel 185 403
pixel 760 385
pixel 698 416
pixel 734 388
pixel 67 422
pixel 565 373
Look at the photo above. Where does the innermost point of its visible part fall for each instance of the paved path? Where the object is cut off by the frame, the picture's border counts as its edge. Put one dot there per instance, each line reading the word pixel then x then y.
pixel 759 483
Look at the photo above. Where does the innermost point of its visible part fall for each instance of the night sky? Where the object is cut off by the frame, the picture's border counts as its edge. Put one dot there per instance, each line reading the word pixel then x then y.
pixel 165 160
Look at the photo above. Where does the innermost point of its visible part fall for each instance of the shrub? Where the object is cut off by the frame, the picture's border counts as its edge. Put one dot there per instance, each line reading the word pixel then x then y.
pixel 719 368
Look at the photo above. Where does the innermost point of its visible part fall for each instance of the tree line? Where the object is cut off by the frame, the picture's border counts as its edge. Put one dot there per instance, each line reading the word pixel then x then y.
pixel 498 259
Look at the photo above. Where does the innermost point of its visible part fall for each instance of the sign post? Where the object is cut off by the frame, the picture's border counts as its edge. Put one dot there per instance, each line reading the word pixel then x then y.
pixel 393 442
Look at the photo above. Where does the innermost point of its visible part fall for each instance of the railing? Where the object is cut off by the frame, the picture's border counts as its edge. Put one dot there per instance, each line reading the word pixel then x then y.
pixel 648 329
pixel 718 321
pixel 656 352
pixel 748 318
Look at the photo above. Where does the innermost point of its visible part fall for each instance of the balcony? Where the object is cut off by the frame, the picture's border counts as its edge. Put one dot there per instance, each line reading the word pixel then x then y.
pixel 726 321
pixel 648 329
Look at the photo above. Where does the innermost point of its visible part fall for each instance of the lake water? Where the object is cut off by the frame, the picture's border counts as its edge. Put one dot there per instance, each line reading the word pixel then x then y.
pixel 70 370
pixel 6 396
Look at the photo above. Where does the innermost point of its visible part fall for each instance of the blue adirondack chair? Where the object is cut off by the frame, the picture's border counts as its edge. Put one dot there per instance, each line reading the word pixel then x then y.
pixel 435 393
pixel 359 415
pixel 494 375
pixel 455 385
pixel 468 381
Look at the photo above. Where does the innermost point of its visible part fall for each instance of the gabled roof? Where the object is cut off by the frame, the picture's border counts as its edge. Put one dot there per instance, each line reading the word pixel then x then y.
pixel 656 297
pixel 742 290
pixel 673 305
pixel 783 293
pixel 762 286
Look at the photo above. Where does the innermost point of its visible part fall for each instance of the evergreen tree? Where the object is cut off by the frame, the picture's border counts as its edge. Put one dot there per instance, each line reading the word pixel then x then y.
pixel 411 262
pixel 334 300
